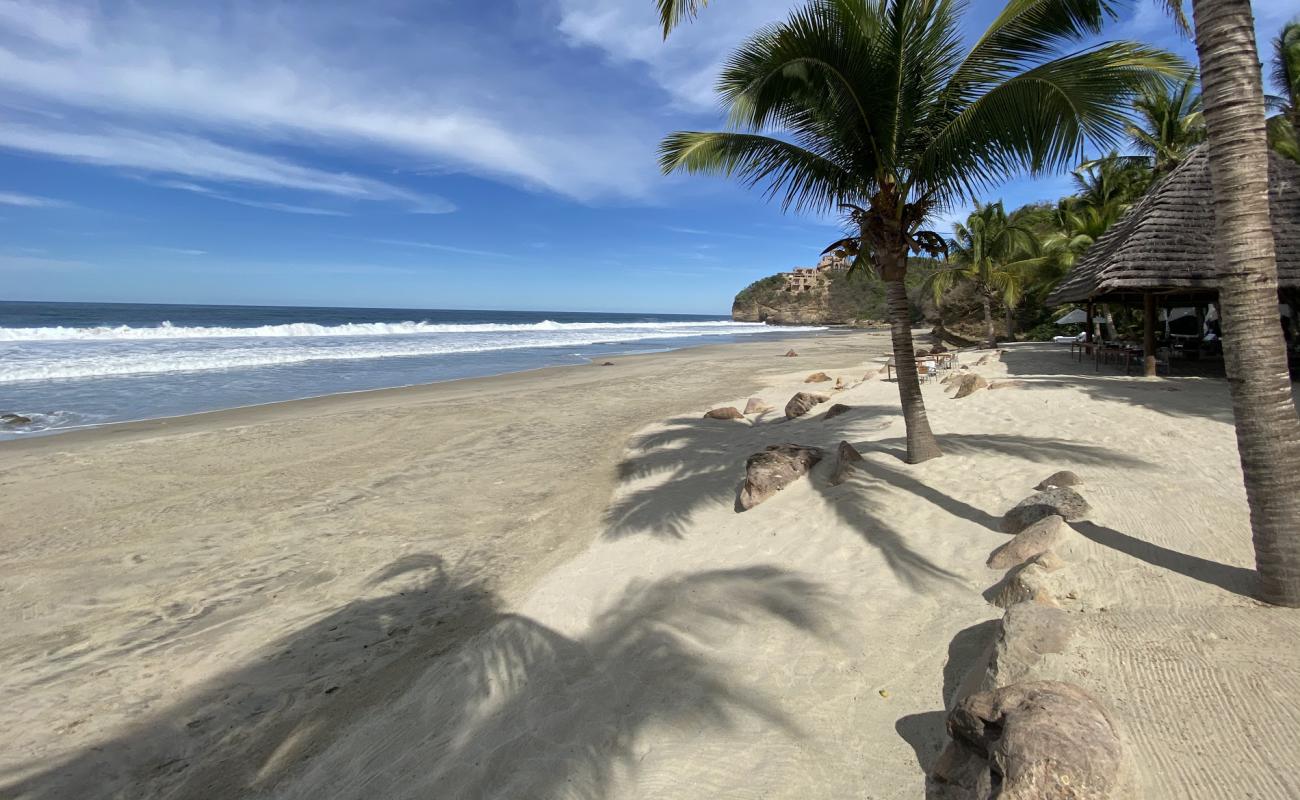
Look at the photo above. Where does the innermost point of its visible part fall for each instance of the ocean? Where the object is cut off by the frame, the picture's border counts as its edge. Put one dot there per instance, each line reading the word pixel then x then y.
pixel 71 365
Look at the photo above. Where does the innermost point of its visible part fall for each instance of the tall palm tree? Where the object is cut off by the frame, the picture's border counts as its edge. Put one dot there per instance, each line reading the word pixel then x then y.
pixel 1284 129
pixel 877 108
pixel 1254 352
pixel 1170 124
pixel 992 252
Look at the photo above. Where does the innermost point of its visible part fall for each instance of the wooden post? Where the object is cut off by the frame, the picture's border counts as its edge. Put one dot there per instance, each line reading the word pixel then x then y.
pixel 1149 333
pixel 1088 338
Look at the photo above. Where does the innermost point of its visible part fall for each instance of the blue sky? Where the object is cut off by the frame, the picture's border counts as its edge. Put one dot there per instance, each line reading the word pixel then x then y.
pixel 407 153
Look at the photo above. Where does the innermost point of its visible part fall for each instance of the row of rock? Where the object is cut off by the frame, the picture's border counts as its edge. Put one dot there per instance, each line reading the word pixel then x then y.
pixel 1013 734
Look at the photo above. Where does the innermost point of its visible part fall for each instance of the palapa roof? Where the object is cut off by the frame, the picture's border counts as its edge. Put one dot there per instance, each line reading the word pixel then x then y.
pixel 1165 243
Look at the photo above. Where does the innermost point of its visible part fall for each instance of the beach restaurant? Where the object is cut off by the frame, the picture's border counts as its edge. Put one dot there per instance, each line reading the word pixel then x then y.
pixel 1159 257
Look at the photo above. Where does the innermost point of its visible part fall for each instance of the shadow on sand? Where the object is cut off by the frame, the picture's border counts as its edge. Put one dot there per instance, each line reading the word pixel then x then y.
pixel 431 690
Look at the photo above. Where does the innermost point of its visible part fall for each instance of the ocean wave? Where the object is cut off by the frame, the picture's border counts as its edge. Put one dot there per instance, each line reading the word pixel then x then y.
pixel 166 330
pixel 113 358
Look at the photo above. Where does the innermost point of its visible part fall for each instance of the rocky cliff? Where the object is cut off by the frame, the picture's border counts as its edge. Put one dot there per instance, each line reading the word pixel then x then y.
pixel 839 299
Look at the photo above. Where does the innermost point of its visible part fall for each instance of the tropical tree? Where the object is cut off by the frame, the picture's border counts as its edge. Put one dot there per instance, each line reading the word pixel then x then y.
pixel 1284 128
pixel 674 12
pixel 1169 124
pixel 1111 183
pixel 1254 352
pixel 877 109
pixel 993 253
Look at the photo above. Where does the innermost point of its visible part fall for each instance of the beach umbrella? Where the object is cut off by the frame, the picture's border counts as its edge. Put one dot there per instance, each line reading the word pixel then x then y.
pixel 1075 317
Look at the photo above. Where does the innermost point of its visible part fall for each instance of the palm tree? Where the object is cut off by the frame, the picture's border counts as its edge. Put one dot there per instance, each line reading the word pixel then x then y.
pixel 879 110
pixel 992 252
pixel 674 12
pixel 1170 124
pixel 1284 129
pixel 1254 352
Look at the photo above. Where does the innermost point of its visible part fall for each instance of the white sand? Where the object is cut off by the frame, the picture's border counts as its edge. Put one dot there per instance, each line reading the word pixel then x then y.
pixel 498 625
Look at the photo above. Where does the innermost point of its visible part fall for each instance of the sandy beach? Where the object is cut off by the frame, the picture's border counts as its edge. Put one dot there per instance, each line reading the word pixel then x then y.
pixel 538 585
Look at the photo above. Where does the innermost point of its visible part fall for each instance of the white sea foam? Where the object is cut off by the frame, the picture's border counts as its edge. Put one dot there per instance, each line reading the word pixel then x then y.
pixel 166 330
pixel 62 353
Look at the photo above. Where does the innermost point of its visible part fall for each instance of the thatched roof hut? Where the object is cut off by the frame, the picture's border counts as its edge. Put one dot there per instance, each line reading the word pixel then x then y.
pixel 1164 245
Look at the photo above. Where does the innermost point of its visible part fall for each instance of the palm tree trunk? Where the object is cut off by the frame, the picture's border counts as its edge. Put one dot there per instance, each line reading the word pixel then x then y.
pixel 1011 324
pixel 921 444
pixel 1268 431
pixel 990 336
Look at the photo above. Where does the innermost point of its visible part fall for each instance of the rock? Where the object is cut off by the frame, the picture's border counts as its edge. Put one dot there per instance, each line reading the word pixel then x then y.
pixel 968 384
pixel 1057 480
pixel 839 384
pixel 756 406
pixel 11 420
pixel 608 364
pixel 802 403
pixel 947 379
pixel 1025 583
pixel 790 354
pixel 1014 383
pixel 1043 740
pixel 817 377
pixel 959 774
pixel 1033 540
pixel 836 410
pixel 846 457
pixel 869 374
pixel 1049 561
pixel 1065 503
pixel 772 470
pixel 729 412
pixel 1029 631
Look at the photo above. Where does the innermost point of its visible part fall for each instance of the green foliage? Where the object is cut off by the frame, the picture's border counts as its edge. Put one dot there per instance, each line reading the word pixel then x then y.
pixel 1170 124
pixel 1284 128
pixel 761 289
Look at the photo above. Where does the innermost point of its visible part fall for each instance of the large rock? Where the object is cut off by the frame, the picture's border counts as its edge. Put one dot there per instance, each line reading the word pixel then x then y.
pixel 1033 540
pixel 727 412
pixel 14 420
pixel 802 403
pixel 1027 633
pixel 772 470
pixel 968 384
pixel 1057 480
pixel 845 458
pixel 756 406
pixel 1042 740
pixel 817 377
pixel 836 410
pixel 1025 583
pixel 1065 503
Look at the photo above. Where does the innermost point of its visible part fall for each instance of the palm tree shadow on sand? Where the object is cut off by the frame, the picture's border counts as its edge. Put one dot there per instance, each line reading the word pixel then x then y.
pixel 694 463
pixel 432 690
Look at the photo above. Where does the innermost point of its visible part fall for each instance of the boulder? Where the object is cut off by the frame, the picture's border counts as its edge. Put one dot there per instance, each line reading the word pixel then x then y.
pixel 11 420
pixel 1045 740
pixel 802 403
pixel 817 377
pixel 1014 383
pixel 727 412
pixel 756 406
pixel 1026 634
pixel 968 384
pixel 836 410
pixel 790 354
pixel 772 470
pixel 846 457
pixel 1063 502
pixel 1030 542
pixel 608 364
pixel 1025 583
pixel 1057 480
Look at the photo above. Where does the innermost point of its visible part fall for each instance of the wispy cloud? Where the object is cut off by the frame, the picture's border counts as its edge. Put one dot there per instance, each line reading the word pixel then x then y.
pixel 287 208
pixel 446 248
pixel 30 201
pixel 179 251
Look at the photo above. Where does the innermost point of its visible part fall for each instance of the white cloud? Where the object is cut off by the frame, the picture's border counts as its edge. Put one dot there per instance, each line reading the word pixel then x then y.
pixel 287 208
pixel 29 201
pixel 446 248
pixel 282 76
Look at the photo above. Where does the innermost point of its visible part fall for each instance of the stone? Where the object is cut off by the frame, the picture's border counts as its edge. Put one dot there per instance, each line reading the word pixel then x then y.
pixel 959 774
pixel 608 364
pixel 1042 740
pixel 968 384
pixel 1065 503
pixel 839 384
pixel 836 410
pixel 10 420
pixel 1058 480
pixel 869 374
pixel 772 470
pixel 1048 560
pixel 1024 583
pixel 802 403
pixel 756 406
pixel 817 377
pixel 727 412
pixel 1014 383
pixel 790 354
pixel 1030 542
pixel 846 456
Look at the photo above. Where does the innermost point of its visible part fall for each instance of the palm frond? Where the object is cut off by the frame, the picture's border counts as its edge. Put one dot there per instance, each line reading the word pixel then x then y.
pixel 674 12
